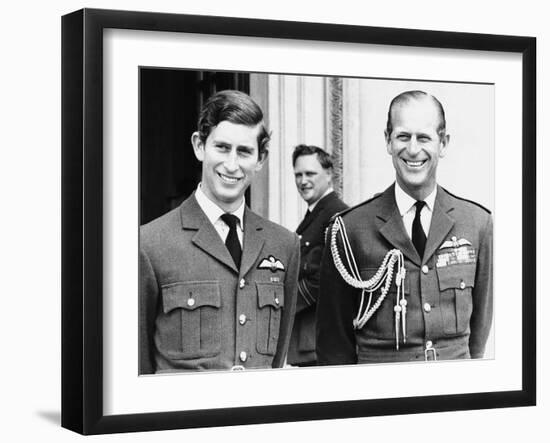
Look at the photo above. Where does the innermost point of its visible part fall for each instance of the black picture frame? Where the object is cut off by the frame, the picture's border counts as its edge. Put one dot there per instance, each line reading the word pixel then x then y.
pixel 82 218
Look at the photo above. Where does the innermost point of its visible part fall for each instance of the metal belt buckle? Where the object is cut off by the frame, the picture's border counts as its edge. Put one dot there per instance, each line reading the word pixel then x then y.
pixel 430 348
pixel 237 368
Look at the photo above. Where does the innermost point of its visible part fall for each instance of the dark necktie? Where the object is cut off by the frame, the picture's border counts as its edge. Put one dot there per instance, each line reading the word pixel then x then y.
pixel 418 235
pixel 232 240
pixel 304 221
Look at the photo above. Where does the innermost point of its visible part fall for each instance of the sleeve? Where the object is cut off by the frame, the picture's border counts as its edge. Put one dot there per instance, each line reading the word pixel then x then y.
pixel 148 299
pixel 308 282
pixel 336 309
pixel 310 264
pixel 289 310
pixel 482 296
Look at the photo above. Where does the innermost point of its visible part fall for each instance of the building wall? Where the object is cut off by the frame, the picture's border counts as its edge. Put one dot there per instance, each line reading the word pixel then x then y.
pixel 297 111
pixel 302 109
pixel 468 169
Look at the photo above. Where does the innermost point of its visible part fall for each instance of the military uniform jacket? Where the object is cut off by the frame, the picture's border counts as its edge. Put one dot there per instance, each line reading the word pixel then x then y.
pixel 197 310
pixel 449 290
pixel 312 240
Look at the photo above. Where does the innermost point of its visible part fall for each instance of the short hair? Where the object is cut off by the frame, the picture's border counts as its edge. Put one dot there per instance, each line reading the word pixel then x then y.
pixel 325 159
pixel 408 96
pixel 235 107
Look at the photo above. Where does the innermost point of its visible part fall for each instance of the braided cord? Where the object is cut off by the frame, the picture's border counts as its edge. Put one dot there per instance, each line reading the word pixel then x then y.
pixel 383 276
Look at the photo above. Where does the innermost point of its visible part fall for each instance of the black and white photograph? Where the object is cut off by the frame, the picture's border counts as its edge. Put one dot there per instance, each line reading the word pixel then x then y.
pixel 288 221
pixel 230 221
pixel 370 209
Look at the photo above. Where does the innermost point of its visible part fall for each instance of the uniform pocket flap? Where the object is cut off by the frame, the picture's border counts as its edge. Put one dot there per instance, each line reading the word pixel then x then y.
pixel 191 295
pixel 270 294
pixel 368 273
pixel 456 276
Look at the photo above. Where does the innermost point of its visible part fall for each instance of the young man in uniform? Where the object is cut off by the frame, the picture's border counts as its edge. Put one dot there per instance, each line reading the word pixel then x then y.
pixel 437 301
pixel 217 281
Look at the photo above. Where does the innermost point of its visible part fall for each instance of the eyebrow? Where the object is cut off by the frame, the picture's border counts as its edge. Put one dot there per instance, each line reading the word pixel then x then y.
pixel 226 143
pixel 418 134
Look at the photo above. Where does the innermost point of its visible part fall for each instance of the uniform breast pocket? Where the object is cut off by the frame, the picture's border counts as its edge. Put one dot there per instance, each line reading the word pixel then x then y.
pixel 455 291
pixel 191 327
pixel 271 300
pixel 382 323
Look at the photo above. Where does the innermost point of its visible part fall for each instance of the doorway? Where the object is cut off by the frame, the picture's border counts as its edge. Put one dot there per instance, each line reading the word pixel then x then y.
pixel 170 101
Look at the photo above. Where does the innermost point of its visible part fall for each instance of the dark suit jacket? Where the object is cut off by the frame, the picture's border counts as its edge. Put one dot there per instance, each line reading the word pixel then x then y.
pixel 197 310
pixel 449 291
pixel 312 236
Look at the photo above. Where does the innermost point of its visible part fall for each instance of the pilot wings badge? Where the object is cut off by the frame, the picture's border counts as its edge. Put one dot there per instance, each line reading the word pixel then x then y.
pixel 455 243
pixel 271 263
pixel 455 251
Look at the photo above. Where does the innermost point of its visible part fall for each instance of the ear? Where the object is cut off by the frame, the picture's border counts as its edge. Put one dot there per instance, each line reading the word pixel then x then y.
pixel 387 137
pixel 198 146
pixel 443 145
pixel 261 161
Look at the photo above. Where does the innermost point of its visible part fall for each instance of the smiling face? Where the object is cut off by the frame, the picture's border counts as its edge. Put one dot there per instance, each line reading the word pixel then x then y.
pixel 312 180
pixel 416 146
pixel 230 159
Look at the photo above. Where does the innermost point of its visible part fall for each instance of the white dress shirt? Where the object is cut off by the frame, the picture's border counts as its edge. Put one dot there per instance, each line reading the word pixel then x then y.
pixel 327 192
pixel 405 204
pixel 214 213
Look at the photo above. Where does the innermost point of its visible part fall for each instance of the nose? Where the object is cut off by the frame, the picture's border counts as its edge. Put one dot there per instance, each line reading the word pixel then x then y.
pixel 231 163
pixel 414 147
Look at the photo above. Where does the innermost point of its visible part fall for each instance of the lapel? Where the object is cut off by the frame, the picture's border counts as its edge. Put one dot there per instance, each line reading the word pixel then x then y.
pixel 391 226
pixel 253 240
pixel 207 238
pixel 318 208
pixel 441 223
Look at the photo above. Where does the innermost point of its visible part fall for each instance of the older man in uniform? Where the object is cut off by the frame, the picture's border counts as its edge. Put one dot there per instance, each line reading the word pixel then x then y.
pixel 217 282
pixel 408 274
pixel 313 175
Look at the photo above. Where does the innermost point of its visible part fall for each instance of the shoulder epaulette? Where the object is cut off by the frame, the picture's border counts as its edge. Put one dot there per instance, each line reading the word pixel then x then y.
pixel 345 211
pixel 466 200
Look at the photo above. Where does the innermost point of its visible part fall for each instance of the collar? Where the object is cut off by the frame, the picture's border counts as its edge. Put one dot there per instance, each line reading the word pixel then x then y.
pixel 405 202
pixel 327 192
pixel 213 211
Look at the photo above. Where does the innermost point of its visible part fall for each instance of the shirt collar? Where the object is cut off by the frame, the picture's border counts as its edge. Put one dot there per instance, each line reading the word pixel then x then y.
pixel 405 202
pixel 213 211
pixel 327 192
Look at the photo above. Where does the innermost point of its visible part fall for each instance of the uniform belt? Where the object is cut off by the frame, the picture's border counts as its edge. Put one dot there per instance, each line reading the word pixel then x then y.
pixel 417 353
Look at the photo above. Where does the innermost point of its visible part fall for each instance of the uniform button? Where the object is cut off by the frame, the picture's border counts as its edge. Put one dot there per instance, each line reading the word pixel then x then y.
pixel 190 302
pixel 277 301
pixel 453 238
pixel 427 307
pixel 241 283
pixel 307 243
pixel 242 319
pixel 425 269
pixel 300 236
pixel 243 356
pixel 429 344
pixel 462 284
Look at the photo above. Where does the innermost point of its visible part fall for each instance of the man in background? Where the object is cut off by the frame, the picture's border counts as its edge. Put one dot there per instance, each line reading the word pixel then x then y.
pixel 438 303
pixel 313 168
pixel 217 282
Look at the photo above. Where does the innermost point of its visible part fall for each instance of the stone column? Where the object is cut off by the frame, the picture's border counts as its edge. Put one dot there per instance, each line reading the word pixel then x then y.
pixel 297 111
